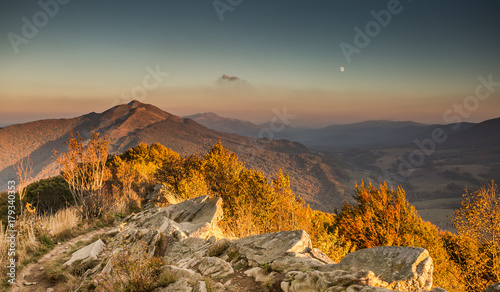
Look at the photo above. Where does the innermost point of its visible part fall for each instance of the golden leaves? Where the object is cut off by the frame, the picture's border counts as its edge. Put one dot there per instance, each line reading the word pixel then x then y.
pixel 30 208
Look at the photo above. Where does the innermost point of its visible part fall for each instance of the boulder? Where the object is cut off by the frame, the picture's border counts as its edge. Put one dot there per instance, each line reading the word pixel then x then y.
pixel 178 273
pixel 215 267
pixel 317 254
pixel 332 281
pixel 185 250
pixel 197 217
pixel 198 210
pixel 201 286
pixel 293 263
pixel 260 275
pixel 87 253
pixel 265 248
pixel 403 268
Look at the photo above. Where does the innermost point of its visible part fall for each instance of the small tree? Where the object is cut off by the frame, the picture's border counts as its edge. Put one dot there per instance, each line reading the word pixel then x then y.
pixel 23 169
pixel 478 226
pixel 83 168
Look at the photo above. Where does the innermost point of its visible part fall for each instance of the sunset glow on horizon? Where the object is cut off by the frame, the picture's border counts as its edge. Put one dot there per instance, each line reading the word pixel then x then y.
pixel 411 61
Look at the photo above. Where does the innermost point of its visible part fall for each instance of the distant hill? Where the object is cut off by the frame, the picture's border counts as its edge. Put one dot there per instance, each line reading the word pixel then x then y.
pixel 227 125
pixel 367 135
pixel 484 135
pixel 363 135
pixel 317 177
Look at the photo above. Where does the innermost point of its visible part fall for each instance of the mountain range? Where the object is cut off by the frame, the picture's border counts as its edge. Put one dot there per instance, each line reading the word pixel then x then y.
pixel 364 135
pixel 323 163
pixel 317 177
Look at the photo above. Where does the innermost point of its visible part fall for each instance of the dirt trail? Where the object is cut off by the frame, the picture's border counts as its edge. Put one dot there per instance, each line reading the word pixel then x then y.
pixel 32 277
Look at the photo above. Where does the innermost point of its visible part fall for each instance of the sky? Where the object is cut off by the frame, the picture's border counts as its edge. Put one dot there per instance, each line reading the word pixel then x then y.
pixel 401 60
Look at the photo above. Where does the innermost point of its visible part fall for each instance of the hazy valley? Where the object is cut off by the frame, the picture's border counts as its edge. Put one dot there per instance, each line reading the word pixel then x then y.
pixel 435 176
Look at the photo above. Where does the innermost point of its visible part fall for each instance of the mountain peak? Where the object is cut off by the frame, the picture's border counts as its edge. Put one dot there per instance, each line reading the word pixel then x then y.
pixel 135 103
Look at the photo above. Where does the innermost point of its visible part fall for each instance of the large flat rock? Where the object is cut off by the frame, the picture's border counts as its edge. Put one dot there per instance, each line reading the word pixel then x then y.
pixel 403 268
pixel 198 210
pixel 89 252
pixel 265 248
pixel 197 217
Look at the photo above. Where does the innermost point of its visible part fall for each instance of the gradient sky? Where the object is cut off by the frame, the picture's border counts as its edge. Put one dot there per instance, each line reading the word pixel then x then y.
pixel 91 54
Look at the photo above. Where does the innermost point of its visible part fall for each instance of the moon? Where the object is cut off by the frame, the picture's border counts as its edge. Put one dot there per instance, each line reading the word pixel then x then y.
pixel 341 69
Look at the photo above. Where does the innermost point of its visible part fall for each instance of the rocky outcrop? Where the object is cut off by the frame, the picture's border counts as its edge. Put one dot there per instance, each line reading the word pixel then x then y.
pixel 192 218
pixel 186 236
pixel 403 268
pixel 265 248
pixel 332 281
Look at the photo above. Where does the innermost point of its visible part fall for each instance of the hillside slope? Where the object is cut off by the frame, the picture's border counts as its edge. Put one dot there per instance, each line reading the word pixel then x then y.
pixel 317 177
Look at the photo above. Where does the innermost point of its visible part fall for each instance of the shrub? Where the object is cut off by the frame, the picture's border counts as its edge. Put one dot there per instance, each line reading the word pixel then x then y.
pixel 383 217
pixel 477 247
pixel 49 195
pixel 83 168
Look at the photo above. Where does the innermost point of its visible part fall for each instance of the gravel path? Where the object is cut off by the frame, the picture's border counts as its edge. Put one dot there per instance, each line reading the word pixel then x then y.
pixel 32 277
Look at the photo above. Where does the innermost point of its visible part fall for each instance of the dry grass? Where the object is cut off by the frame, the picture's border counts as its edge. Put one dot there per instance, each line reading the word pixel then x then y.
pixel 34 236
pixel 4 245
pixel 63 220
pixel 26 238
pixel 26 244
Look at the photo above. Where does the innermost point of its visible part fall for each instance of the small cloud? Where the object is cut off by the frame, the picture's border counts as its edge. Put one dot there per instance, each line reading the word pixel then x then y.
pixel 226 81
pixel 225 77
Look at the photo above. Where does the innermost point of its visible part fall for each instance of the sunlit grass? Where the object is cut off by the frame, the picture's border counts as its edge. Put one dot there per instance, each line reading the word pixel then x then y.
pixel 34 237
pixel 63 220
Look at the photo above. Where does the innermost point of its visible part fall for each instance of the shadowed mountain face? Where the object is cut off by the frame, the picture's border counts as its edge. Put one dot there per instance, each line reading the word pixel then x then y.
pixel 315 176
pixel 485 135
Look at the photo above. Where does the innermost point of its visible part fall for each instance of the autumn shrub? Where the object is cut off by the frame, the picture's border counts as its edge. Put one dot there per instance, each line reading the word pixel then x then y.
pixel 83 168
pixel 383 217
pixel 477 247
pixel 252 203
pixel 324 232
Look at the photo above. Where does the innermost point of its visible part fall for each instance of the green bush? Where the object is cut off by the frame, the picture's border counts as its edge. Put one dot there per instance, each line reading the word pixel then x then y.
pixel 49 195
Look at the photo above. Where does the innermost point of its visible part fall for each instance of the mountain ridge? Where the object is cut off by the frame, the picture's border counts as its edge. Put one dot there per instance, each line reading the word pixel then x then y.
pixel 316 177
